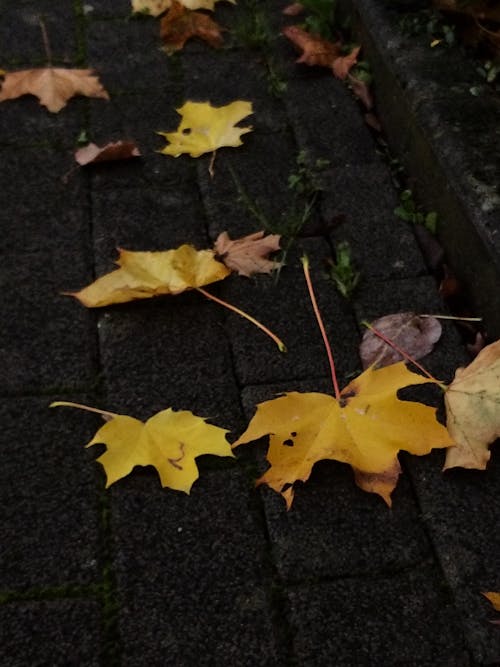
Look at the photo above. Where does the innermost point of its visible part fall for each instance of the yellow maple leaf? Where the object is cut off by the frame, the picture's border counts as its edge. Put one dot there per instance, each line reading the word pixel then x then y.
pixel 53 86
pixel 157 7
pixel 494 598
pixel 170 441
pixel 205 128
pixel 473 410
pixel 365 428
pixel 143 275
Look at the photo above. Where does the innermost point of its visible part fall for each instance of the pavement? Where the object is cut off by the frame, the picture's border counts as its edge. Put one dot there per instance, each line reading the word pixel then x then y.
pixel 139 575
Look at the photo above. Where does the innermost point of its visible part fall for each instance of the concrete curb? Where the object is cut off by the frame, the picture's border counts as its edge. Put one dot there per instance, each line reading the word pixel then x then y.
pixel 447 139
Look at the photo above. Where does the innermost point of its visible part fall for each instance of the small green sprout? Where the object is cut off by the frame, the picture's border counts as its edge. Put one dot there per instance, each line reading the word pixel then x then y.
pixel 343 271
pixel 408 211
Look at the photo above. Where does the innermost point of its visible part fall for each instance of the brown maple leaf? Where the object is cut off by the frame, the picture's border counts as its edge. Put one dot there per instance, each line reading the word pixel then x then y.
pixel 53 86
pixel 317 51
pixel 118 150
pixel 180 24
pixel 248 255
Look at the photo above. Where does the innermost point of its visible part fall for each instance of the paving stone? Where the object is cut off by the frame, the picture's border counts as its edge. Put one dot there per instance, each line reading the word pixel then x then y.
pixel 128 54
pixel 252 176
pixel 60 218
pixel 25 43
pixel 354 534
pixel 191 575
pixel 169 353
pixel 123 118
pixel 111 8
pixel 24 122
pixel 308 543
pixel 145 219
pixel 382 244
pixel 330 125
pixel 257 359
pixel 56 632
pixel 461 514
pixel 381 621
pixel 38 348
pixel 49 496
pixel 220 86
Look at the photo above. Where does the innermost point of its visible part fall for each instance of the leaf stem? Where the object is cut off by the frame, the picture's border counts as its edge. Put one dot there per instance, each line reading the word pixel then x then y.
pixel 454 317
pixel 211 170
pixel 46 43
pixel 404 354
pixel 278 341
pixel 68 404
pixel 305 266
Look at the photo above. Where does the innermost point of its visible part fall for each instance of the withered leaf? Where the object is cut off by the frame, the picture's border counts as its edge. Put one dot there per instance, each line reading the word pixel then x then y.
pixel 317 51
pixel 472 403
pixel 249 254
pixel 118 150
pixel 180 24
pixel 53 86
pixel 414 334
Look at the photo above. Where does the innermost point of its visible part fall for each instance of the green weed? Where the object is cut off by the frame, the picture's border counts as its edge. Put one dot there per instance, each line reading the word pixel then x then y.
pixel 408 211
pixel 343 271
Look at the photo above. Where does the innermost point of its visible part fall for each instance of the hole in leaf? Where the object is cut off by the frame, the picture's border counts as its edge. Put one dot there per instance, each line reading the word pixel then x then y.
pixel 288 443
pixel 186 130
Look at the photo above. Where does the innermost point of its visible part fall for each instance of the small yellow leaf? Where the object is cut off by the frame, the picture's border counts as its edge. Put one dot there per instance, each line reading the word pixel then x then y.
pixel 205 128
pixel 366 429
pixel 157 7
pixel 143 275
pixel 170 441
pixel 473 410
pixel 153 7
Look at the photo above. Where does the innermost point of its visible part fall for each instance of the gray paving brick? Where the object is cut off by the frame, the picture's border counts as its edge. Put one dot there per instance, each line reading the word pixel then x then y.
pixel 172 353
pixel 330 125
pixel 354 534
pixel 386 620
pixel 25 44
pixel 220 86
pixel 461 515
pixel 139 219
pixel 191 575
pixel 38 348
pixel 256 358
pixel 261 168
pixel 123 118
pixel 60 218
pixel 49 496
pixel 382 244
pixel 129 54
pixel 56 632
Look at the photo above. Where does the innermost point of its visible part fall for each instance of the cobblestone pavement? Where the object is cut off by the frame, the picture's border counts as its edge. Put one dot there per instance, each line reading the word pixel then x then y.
pixel 139 575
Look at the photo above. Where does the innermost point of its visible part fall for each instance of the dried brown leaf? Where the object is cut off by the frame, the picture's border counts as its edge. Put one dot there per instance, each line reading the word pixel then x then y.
pixel 180 24
pixel 249 254
pixel 414 334
pixel 118 150
pixel 53 86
